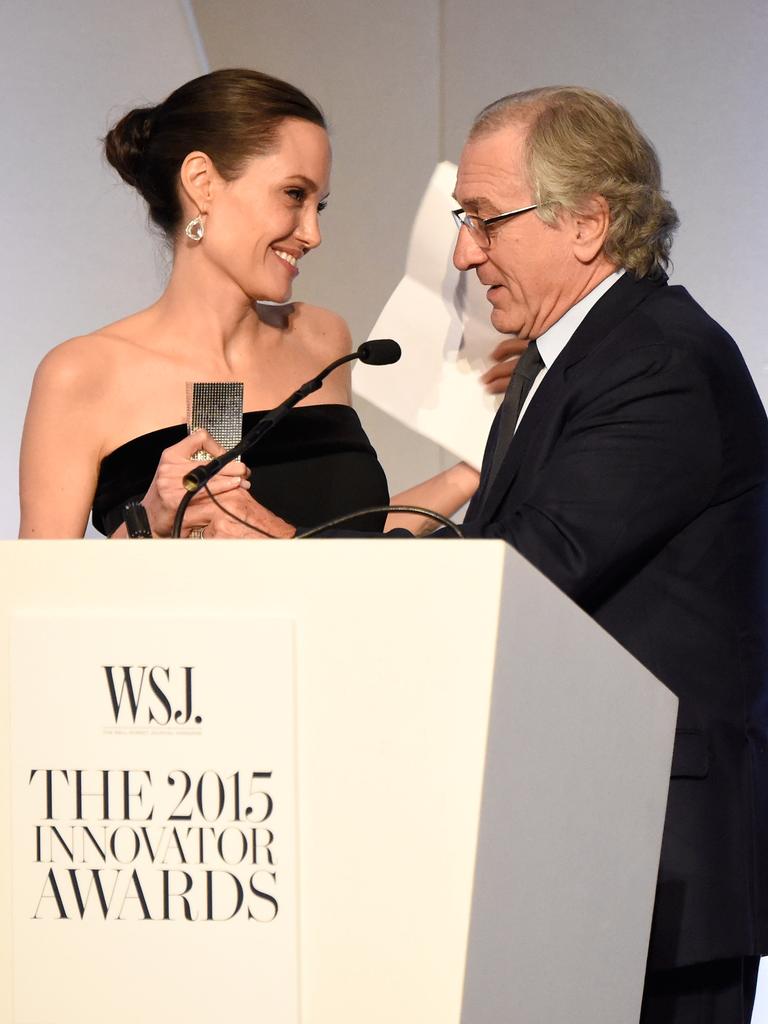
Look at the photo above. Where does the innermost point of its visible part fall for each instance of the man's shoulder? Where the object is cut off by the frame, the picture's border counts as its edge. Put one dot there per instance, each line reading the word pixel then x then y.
pixel 672 306
pixel 667 314
pixel 667 340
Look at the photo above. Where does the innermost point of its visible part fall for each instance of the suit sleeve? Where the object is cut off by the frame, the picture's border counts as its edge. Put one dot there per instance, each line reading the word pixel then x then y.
pixel 637 458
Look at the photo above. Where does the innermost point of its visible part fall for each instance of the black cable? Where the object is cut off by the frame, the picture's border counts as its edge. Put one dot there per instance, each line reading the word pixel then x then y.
pixel 338 520
pixel 413 509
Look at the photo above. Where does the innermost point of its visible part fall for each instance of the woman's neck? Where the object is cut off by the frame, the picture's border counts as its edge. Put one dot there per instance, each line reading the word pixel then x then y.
pixel 203 308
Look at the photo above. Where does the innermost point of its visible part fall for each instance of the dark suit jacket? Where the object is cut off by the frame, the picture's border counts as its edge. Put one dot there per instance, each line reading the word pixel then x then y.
pixel 638 482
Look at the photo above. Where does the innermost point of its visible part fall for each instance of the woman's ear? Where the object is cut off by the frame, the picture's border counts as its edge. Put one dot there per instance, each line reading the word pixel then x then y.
pixel 196 178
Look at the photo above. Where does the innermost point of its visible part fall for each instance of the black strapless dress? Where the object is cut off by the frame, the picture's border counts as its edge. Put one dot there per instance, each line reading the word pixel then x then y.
pixel 316 463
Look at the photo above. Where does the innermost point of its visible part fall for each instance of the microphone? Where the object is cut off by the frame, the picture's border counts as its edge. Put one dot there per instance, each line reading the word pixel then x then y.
pixel 378 352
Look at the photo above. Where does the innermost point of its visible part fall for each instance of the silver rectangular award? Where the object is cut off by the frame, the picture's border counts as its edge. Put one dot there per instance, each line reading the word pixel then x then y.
pixel 216 406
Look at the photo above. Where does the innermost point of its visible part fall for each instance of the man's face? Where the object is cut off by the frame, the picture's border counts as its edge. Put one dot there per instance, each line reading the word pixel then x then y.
pixel 530 268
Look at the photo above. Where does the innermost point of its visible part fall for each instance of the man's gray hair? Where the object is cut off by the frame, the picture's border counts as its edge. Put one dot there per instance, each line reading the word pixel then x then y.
pixel 580 144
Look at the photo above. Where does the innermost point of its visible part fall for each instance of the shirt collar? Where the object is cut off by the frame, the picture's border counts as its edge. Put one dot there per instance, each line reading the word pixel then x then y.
pixel 552 342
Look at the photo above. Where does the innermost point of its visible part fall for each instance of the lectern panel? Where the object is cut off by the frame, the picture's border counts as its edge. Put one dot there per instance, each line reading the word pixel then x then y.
pixel 430 759
pixel 154 816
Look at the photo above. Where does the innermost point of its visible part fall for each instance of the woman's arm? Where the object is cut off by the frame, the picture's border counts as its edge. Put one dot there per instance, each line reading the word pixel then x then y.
pixel 60 447
pixel 444 493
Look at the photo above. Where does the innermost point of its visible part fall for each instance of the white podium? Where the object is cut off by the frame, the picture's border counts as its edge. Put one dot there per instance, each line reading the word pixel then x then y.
pixel 319 782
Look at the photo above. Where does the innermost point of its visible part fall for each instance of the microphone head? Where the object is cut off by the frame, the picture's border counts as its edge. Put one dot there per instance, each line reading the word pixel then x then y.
pixel 379 352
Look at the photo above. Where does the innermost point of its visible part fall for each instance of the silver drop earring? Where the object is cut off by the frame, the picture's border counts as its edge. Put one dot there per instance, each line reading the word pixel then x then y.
pixel 195 229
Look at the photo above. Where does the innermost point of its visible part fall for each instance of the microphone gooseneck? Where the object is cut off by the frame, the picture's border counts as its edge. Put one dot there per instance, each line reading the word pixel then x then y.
pixel 378 352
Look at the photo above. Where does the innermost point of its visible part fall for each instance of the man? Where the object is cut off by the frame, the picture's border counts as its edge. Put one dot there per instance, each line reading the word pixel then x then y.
pixel 637 480
pixel 629 463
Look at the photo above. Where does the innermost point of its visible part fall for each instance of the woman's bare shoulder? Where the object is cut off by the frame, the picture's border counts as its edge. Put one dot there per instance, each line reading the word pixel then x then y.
pixel 74 366
pixel 86 360
pixel 320 330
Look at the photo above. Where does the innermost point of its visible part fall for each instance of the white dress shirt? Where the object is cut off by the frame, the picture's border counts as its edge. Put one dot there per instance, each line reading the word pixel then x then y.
pixel 553 341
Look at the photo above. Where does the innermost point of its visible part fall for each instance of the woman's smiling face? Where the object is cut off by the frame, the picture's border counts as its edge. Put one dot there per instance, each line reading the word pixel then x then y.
pixel 259 225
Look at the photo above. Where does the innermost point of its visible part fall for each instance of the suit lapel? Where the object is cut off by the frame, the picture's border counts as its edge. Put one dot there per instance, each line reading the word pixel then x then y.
pixel 605 315
pixel 485 469
pixel 617 303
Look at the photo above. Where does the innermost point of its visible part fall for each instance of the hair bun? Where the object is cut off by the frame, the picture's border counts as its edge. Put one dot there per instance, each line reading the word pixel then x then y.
pixel 126 144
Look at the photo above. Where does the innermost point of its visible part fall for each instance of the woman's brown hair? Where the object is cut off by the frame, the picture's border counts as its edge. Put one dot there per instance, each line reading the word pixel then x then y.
pixel 232 115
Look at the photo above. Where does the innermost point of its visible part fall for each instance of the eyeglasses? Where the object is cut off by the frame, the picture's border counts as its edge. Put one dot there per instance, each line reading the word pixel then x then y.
pixel 478 226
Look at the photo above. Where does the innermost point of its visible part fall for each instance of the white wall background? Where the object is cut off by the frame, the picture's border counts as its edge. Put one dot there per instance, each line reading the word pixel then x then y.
pixel 74 248
pixel 400 82
pixel 694 75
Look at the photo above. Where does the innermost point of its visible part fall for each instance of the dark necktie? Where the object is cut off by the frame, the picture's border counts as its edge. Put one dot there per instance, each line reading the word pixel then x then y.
pixel 526 371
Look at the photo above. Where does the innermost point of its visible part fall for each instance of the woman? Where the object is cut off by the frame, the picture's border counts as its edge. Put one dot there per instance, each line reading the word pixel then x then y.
pixel 234 167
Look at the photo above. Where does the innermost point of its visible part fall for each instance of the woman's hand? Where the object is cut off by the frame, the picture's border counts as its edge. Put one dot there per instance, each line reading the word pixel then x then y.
pixel 506 354
pixel 167 489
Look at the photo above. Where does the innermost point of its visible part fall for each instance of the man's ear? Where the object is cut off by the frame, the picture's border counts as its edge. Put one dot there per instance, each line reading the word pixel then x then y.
pixel 590 228
pixel 196 177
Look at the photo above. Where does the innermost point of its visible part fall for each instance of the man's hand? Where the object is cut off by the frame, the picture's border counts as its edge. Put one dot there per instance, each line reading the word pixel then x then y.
pixel 506 354
pixel 246 508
